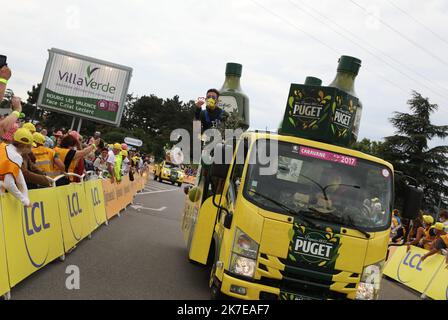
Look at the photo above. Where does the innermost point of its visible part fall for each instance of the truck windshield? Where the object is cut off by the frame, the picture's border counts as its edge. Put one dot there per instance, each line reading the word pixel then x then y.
pixel 323 185
pixel 171 165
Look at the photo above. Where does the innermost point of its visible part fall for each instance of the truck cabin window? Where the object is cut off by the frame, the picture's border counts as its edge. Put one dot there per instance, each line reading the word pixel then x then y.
pixel 325 186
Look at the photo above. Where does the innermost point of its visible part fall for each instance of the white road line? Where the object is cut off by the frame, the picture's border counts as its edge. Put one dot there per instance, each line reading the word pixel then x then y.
pixel 149 192
pixel 138 208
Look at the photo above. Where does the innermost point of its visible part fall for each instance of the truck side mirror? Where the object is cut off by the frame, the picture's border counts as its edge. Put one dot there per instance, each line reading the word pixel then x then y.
pixel 228 220
pixel 413 198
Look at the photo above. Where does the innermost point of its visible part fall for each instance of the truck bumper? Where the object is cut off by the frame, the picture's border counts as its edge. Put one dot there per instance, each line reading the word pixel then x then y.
pixel 254 291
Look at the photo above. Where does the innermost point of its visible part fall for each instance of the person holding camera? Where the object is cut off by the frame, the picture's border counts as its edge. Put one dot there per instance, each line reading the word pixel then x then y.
pixel 16 105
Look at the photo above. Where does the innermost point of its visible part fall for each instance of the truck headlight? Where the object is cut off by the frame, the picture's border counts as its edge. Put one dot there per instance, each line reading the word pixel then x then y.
pixel 166 172
pixel 244 257
pixel 369 286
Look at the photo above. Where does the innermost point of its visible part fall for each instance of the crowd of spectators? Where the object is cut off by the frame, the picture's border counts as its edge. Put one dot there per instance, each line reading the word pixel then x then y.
pixel 32 156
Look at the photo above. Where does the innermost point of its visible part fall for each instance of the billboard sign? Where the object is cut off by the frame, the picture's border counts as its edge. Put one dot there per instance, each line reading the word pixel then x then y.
pixel 84 87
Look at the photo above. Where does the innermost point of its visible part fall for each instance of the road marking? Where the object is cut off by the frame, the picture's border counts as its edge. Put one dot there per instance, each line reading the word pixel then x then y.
pixel 138 207
pixel 150 192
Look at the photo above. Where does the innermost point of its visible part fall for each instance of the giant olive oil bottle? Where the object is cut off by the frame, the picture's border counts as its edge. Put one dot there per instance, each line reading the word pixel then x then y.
pixel 347 71
pixel 329 114
pixel 232 98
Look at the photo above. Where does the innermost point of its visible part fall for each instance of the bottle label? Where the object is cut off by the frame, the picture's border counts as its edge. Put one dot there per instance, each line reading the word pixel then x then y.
pixel 322 113
pixel 228 104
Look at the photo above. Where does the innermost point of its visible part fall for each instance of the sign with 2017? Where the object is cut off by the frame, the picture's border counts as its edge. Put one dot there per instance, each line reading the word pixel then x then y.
pixel 84 87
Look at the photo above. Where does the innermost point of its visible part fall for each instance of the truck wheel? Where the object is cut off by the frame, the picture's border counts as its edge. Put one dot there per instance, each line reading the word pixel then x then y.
pixel 172 182
pixel 215 291
pixel 179 184
pixel 155 177
pixel 160 179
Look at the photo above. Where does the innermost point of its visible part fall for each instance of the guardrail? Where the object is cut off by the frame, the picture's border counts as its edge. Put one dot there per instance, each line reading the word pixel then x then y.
pixel 58 219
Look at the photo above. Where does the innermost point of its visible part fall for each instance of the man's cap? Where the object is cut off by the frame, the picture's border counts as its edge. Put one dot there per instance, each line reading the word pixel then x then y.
pixel 439 226
pixel 38 138
pixel 58 134
pixel 124 153
pixel 30 127
pixel 117 146
pixel 23 136
pixel 428 219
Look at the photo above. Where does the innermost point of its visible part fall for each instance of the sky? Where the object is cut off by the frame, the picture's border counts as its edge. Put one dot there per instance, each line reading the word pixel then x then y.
pixel 181 47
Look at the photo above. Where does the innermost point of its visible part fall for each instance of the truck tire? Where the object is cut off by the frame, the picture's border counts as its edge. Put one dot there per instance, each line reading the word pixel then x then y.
pixel 179 184
pixel 215 290
pixel 155 177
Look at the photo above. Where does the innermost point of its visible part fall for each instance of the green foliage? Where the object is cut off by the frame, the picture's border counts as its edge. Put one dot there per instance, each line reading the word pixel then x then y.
pixel 408 150
pixel 373 148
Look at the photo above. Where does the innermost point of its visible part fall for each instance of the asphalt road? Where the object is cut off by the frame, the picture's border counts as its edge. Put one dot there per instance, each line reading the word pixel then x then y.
pixel 140 255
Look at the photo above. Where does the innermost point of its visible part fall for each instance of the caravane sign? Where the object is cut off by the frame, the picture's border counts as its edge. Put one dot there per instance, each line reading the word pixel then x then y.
pixel 84 87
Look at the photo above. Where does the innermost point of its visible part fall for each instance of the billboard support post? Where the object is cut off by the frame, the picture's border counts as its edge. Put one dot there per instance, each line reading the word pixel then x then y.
pixel 73 123
pixel 79 125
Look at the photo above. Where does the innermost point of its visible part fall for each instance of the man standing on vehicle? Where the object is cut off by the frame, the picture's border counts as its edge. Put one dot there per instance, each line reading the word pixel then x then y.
pixel 213 115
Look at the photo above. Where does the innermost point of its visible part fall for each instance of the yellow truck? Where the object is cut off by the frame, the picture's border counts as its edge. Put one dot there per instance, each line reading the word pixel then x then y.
pixel 168 171
pixel 315 227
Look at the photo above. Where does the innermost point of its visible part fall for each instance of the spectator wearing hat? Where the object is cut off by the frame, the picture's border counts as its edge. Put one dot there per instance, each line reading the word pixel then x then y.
pixel 425 234
pixel 111 163
pixel 11 162
pixel 47 160
pixel 30 127
pixel 125 166
pixel 58 135
pixel 440 243
pixel 70 157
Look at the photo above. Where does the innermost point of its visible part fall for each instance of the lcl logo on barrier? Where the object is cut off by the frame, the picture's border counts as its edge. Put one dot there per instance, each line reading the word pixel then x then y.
pixel 74 210
pixel 95 196
pixel 34 228
pixel 410 261
pixel 73 205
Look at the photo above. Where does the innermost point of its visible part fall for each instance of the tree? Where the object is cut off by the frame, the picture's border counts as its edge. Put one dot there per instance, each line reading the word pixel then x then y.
pixel 409 150
pixel 373 148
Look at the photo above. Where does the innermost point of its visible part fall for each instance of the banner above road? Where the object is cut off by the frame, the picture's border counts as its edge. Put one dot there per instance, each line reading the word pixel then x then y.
pixel 84 87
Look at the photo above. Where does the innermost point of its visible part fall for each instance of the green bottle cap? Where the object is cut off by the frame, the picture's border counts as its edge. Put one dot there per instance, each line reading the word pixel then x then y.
pixel 349 64
pixel 313 81
pixel 233 69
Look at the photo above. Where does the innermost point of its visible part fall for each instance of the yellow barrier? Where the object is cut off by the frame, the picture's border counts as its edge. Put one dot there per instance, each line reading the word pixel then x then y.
pixel 110 199
pixel 74 214
pixel 95 203
pixel 407 268
pixel 4 281
pixel 58 219
pixel 438 288
pixel 33 235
